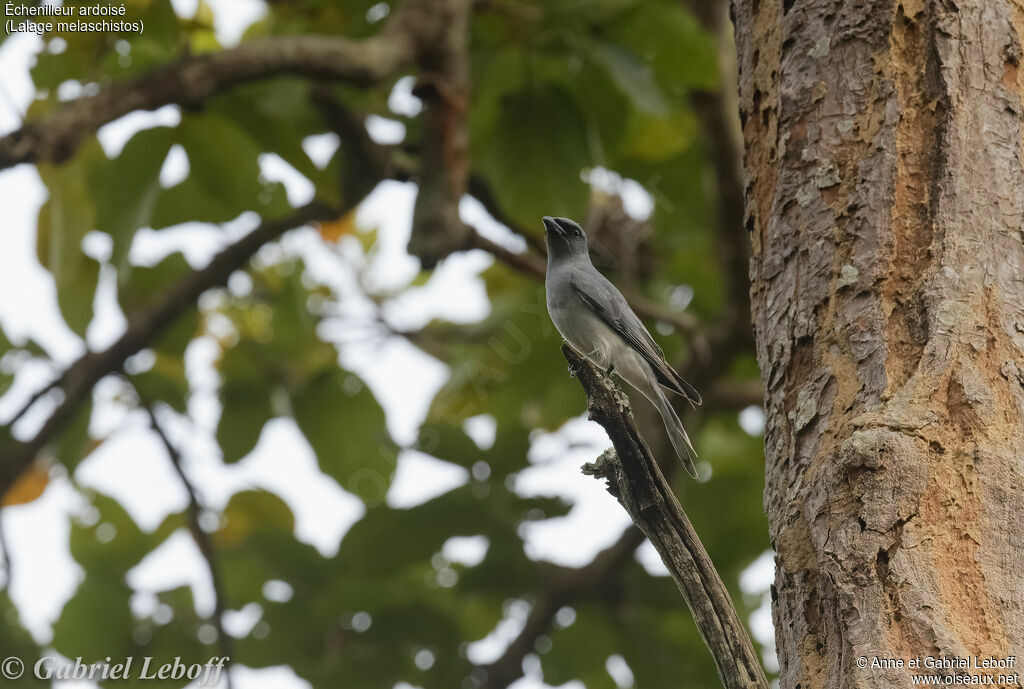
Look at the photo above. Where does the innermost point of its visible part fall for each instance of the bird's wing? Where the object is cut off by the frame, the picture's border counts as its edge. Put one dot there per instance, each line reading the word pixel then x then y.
pixel 609 304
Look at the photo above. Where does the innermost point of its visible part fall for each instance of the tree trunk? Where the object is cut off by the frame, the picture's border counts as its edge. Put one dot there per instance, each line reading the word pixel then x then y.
pixel 885 202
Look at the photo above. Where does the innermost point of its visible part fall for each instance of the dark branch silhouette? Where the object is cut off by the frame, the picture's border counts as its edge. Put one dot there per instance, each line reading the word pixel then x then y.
pixel 201 538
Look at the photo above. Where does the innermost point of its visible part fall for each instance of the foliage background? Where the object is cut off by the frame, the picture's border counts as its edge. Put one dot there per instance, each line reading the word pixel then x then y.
pixel 576 109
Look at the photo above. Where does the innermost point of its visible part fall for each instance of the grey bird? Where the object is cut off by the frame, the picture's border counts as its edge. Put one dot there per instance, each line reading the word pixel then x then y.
pixel 594 317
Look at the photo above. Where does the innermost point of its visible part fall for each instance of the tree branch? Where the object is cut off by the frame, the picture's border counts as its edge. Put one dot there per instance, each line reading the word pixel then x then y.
pixel 443 85
pixel 480 189
pixel 364 162
pixel 570 585
pixel 732 336
pixel 637 483
pixel 362 168
pixel 54 138
pixel 36 396
pixel 526 263
pixel 201 538
pixel 77 381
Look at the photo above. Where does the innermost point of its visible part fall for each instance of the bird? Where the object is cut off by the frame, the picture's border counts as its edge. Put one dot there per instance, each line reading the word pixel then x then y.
pixel 597 321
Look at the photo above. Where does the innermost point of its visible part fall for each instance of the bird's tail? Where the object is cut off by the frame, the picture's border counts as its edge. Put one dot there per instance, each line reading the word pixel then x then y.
pixel 676 432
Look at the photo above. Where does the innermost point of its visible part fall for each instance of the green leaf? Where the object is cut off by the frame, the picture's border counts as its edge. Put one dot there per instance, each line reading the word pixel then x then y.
pixel 106 550
pixel 558 87
pixel 681 52
pixel 579 651
pixel 279 351
pixel 175 639
pixel 245 402
pixel 223 179
pixel 140 287
pixel 64 220
pixel 162 25
pixel 74 443
pixel 114 543
pixel 99 597
pixel 98 56
pixel 6 377
pixel 17 642
pixel 256 543
pixel 277 114
pixel 664 651
pixel 292 338
pixel 127 187
pixel 254 514
pixel 450 443
pixel 345 425
pixel 659 137
pixel 421 530
pixel 165 382
pixel 505 571
pixel 535 153
pixel 511 365
pixel 630 74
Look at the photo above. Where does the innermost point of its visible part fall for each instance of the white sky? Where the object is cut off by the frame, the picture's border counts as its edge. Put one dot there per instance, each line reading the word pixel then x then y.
pixel 131 464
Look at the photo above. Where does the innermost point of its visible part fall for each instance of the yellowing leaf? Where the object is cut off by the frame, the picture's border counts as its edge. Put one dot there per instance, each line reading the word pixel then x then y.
pixel 253 513
pixel 234 531
pixel 333 230
pixel 204 14
pixel 656 138
pixel 29 486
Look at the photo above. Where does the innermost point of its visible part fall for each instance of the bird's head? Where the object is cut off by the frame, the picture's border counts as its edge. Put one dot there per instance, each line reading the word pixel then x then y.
pixel 564 237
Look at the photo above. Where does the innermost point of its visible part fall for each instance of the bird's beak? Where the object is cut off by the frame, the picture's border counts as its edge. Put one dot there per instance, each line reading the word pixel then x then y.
pixel 552 227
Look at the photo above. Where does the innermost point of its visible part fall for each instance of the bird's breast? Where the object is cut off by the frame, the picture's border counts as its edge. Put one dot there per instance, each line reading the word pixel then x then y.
pixel 580 326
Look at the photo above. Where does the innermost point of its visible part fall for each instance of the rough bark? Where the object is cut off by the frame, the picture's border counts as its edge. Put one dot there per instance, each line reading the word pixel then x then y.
pixel 884 204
